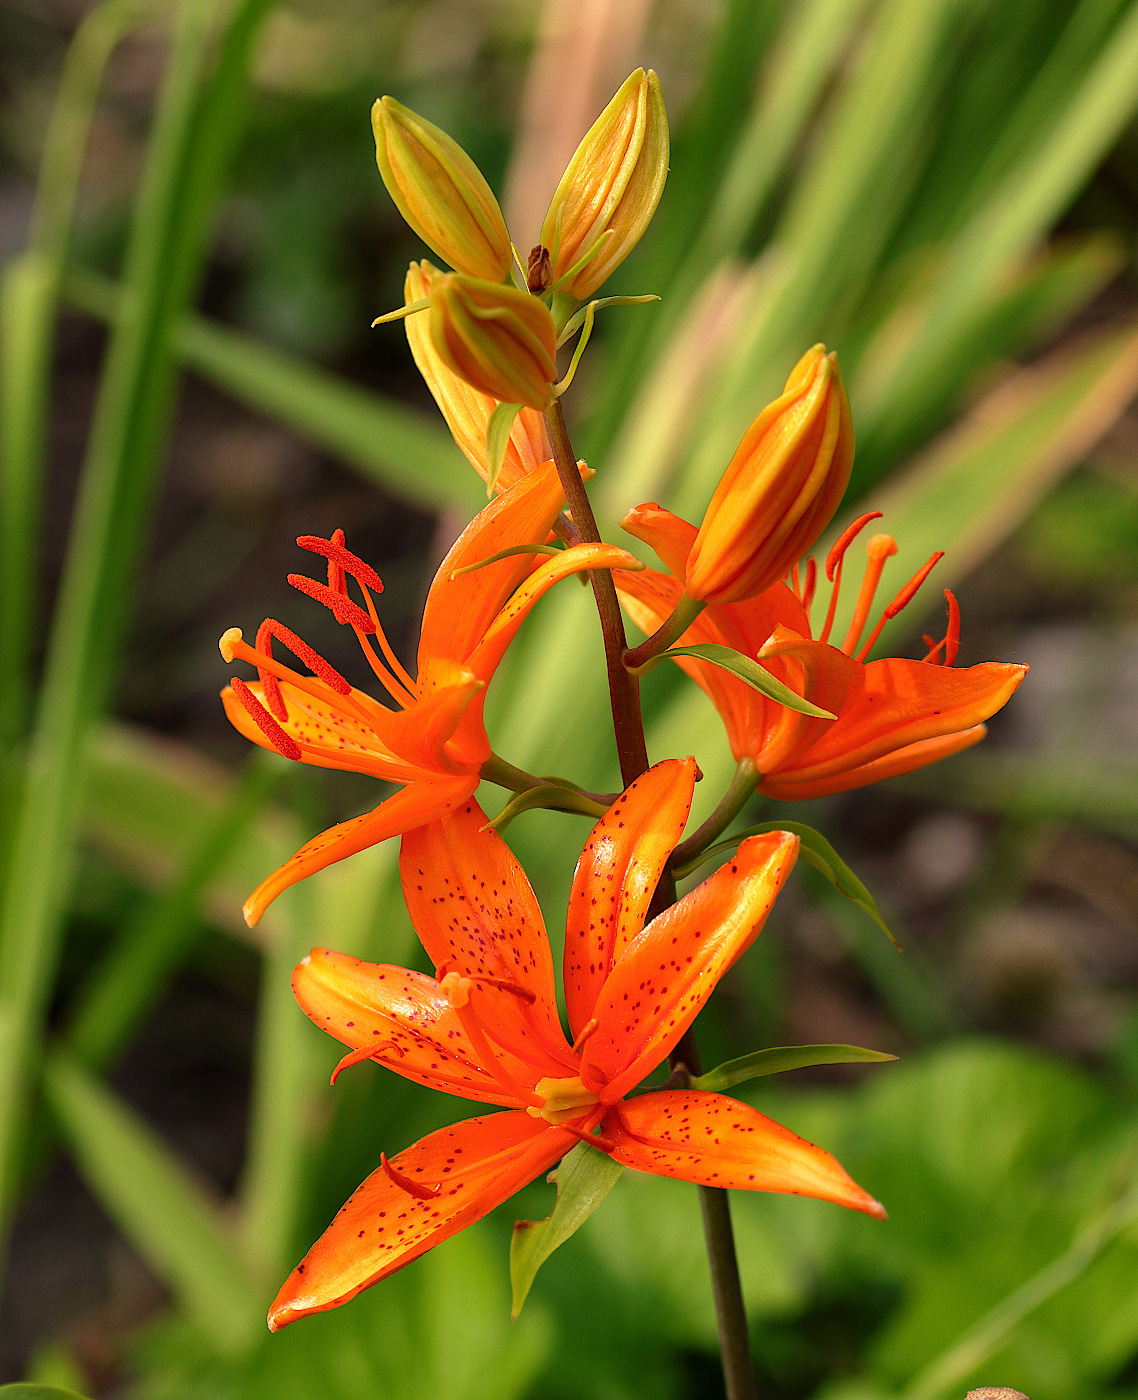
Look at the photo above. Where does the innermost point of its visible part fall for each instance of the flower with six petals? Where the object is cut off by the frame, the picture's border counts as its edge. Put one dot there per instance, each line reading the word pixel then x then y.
pixel 892 715
pixel 434 743
pixel 486 1028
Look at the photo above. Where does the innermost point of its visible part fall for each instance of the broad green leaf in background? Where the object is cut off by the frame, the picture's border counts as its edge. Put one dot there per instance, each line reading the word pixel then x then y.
pixel 778 1059
pixel 26 1391
pixel 584 1178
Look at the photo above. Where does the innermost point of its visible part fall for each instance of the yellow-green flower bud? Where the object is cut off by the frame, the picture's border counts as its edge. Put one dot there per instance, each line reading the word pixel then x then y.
pixel 611 186
pixel 496 337
pixel 440 191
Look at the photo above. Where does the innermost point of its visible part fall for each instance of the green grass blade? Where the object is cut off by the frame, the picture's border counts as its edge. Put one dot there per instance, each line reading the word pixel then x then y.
pixel 117 485
pixel 170 1217
pixel 397 447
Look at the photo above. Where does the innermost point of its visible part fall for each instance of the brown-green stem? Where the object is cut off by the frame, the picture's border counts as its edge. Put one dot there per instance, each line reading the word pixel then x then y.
pixel 739 790
pixel 639 659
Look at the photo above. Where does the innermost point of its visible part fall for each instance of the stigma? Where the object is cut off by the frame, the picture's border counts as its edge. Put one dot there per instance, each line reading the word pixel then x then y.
pixel 562 1099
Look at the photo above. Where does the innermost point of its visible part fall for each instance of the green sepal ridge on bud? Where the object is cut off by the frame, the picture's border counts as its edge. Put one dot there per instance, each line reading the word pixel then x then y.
pixel 498 338
pixel 440 192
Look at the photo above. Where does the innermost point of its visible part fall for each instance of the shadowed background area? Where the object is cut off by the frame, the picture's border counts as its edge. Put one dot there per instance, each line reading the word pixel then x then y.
pixel 195 240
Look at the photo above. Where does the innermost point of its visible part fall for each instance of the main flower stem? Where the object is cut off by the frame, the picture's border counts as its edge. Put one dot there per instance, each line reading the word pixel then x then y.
pixel 624 693
pixel 624 689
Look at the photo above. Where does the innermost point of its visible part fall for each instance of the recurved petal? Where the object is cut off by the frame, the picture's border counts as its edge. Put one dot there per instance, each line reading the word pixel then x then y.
pixel 617 876
pixel 577 559
pixel 400 1016
pixel 666 975
pixel 476 1164
pixel 418 802
pixel 789 787
pixel 461 607
pixel 669 535
pixel 476 914
pixel 716 1141
pixel 419 734
pixel 903 702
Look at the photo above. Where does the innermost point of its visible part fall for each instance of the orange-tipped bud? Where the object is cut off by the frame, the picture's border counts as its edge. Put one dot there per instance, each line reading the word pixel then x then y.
pixel 611 187
pixel 781 488
pixel 440 191
pixel 497 338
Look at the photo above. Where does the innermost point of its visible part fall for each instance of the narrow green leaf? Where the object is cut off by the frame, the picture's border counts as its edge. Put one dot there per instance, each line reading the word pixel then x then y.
pixel 497 440
pixel 552 796
pixel 507 554
pixel 166 1212
pixel 750 671
pixel 599 304
pixel 816 851
pixel 779 1059
pixel 402 311
pixel 584 1178
pixel 583 340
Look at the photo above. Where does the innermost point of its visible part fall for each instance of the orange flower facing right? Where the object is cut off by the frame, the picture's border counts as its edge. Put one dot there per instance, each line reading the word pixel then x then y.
pixel 893 715
pixel 780 489
pixel 486 1028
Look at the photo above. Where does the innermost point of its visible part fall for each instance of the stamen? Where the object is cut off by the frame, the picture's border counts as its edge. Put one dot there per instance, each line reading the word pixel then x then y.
pixel 334 551
pixel 902 600
pixel 341 606
pixel 336 580
pixel 405 1183
pixel 282 742
pixel 811 584
pixel 271 629
pixel 794 584
pixel 587 1030
pixel 834 561
pixel 362 1053
pixel 401 675
pixel 952 636
pixel 503 984
pixel 593 1139
pixel 878 548
pixel 270 686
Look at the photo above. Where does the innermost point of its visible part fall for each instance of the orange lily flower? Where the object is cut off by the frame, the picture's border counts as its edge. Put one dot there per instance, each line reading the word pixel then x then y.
pixel 486 1028
pixel 893 715
pixel 434 743
pixel 466 409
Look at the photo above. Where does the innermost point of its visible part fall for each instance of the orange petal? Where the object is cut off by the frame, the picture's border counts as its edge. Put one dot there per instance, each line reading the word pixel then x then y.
pixel 667 974
pixel 823 675
pixel 419 734
pixel 716 1141
pixel 475 914
pixel 669 535
pixel 459 609
pixel 787 787
pixel 466 410
pixel 484 659
pixel 617 876
pixel 401 1016
pixel 903 702
pixel 477 1164
pixel 418 802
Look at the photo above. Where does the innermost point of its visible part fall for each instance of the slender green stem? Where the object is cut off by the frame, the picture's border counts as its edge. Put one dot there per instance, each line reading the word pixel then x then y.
pixel 731 1317
pixel 499 770
pixel 639 659
pixel 739 790
pixel 624 690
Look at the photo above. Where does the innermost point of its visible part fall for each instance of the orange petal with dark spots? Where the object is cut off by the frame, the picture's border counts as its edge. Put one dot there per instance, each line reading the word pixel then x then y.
pixel 667 974
pixel 401 1017
pixel 476 914
pixel 617 876
pixel 477 1164
pixel 716 1141
pixel 417 803
pixel 791 787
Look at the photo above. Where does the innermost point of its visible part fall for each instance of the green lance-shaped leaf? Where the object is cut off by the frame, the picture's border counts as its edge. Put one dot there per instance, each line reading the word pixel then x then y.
pixel 555 796
pixel 779 1058
pixel 749 670
pixel 584 1178
pixel 506 554
pixel 497 440
pixel 815 850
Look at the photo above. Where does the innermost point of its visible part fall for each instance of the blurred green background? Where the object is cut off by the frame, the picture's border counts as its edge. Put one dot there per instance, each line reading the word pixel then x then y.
pixel 195 240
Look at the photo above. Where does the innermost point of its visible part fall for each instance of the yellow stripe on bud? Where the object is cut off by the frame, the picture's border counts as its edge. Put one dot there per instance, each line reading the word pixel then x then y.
pixel 499 339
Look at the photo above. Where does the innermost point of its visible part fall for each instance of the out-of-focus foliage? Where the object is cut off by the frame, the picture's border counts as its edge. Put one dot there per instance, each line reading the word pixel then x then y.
pixel 944 191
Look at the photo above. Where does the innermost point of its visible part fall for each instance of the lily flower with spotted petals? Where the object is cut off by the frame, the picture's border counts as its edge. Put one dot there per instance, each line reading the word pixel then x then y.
pixel 434 742
pixel 466 409
pixel 486 1028
pixel 893 715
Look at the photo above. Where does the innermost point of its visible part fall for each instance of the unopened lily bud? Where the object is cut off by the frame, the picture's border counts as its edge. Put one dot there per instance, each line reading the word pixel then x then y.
pixel 611 187
pixel 781 488
pixel 440 191
pixel 497 338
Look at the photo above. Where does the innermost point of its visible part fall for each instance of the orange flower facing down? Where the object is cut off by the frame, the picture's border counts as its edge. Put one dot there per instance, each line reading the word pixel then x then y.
pixel 486 1028
pixel 466 409
pixel 433 743
pixel 502 341
pixel 893 715
pixel 780 489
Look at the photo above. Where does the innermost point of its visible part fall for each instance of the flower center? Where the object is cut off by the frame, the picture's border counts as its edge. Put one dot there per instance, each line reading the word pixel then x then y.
pixel 562 1099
